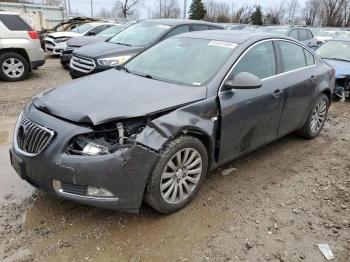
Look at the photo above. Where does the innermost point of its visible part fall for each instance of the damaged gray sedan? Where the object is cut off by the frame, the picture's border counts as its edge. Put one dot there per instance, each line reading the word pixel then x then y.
pixel 153 128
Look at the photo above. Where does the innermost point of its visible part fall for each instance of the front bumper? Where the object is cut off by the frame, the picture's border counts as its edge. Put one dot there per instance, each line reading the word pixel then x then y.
pixel 77 74
pixel 65 57
pixel 124 173
pixel 54 48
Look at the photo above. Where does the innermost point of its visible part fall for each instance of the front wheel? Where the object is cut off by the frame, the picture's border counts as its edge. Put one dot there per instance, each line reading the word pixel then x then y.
pixel 316 118
pixel 178 175
pixel 13 67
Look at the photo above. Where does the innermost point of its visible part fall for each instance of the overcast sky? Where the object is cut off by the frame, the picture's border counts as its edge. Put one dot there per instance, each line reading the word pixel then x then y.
pixel 149 6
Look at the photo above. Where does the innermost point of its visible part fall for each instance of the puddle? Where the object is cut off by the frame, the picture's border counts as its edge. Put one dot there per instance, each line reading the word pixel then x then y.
pixel 6 129
pixel 11 183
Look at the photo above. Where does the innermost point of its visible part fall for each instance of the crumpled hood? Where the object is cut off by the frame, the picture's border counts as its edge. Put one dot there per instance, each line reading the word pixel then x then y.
pixel 64 34
pixel 113 95
pixel 106 49
pixel 84 40
pixel 342 68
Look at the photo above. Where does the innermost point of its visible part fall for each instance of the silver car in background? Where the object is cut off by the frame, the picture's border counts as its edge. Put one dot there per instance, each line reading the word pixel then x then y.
pixel 20 50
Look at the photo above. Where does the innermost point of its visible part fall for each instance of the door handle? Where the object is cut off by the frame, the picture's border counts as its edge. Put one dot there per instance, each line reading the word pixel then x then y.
pixel 277 93
pixel 312 77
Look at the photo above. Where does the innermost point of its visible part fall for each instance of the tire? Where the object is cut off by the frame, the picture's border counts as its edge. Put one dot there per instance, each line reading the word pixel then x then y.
pixel 20 67
pixel 185 146
pixel 307 131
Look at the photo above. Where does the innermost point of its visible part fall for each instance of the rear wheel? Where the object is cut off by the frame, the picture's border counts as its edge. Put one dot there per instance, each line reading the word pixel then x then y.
pixel 178 175
pixel 316 118
pixel 13 67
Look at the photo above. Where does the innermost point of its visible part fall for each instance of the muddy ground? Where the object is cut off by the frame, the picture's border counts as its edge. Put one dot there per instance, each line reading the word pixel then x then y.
pixel 275 204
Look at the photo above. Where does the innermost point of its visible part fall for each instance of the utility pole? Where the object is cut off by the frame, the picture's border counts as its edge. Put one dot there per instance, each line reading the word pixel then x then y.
pixel 68 7
pixel 160 8
pixel 92 9
pixel 185 9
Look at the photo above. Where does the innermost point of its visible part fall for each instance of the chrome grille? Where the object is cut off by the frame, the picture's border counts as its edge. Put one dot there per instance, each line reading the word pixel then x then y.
pixel 82 64
pixel 30 138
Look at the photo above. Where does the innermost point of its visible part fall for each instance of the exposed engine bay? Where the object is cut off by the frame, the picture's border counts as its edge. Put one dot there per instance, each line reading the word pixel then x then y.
pixel 342 88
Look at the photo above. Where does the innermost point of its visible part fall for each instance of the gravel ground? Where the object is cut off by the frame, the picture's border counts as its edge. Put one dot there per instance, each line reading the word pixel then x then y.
pixel 275 204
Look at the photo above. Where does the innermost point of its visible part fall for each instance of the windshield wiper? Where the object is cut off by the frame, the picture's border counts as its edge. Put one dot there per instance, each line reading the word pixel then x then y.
pixel 119 43
pixel 335 58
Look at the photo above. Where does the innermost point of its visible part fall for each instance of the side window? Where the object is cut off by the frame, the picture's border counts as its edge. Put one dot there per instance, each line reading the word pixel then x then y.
pixel 199 27
pixel 302 35
pixel 260 61
pixel 14 23
pixel 99 29
pixel 294 34
pixel 310 60
pixel 215 28
pixel 292 56
pixel 178 30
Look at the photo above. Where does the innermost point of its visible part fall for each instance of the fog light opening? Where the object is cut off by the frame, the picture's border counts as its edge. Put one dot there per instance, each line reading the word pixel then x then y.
pixel 98 192
pixel 57 185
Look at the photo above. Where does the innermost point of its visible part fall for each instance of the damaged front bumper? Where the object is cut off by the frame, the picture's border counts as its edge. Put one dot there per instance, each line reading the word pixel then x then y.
pixel 123 173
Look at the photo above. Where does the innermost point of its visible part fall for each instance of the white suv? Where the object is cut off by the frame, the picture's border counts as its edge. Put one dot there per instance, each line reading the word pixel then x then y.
pixel 56 42
pixel 20 50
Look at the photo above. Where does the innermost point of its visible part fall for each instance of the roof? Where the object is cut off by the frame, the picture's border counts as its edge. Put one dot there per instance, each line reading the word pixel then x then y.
pixel 173 22
pixel 239 36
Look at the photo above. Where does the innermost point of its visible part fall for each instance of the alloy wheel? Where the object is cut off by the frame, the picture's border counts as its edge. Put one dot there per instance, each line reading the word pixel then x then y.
pixel 13 67
pixel 318 116
pixel 181 175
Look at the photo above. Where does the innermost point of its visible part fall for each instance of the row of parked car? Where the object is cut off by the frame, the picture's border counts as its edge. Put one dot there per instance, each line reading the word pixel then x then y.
pixel 86 47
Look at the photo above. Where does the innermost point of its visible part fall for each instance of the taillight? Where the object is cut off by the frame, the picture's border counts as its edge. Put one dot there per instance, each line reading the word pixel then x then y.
pixel 33 35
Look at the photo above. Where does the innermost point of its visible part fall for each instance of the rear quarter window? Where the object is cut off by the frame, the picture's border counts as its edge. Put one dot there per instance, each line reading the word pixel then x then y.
pixel 293 56
pixel 14 22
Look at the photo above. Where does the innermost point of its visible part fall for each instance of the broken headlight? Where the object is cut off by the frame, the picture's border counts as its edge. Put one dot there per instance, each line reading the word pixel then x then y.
pixel 106 139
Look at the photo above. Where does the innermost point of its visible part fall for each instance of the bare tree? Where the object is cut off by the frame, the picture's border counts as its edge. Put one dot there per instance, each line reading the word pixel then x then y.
pixel 128 7
pixel 291 10
pixel 243 14
pixel 332 12
pixel 170 9
pixel 311 11
pixel 275 13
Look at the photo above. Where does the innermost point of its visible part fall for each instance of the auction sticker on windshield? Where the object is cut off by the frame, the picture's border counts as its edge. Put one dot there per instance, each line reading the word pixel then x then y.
pixel 222 44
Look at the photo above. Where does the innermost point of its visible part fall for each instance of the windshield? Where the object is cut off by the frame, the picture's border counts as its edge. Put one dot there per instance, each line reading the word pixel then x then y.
pixel 279 31
pixel 82 29
pixel 186 61
pixel 112 31
pixel 325 33
pixel 140 34
pixel 335 50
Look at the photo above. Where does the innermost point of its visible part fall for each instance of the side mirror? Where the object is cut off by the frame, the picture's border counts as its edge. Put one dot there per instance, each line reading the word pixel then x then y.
pixel 319 42
pixel 243 80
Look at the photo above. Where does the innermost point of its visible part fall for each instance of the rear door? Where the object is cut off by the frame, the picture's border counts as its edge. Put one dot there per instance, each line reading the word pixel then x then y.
pixel 299 77
pixel 250 118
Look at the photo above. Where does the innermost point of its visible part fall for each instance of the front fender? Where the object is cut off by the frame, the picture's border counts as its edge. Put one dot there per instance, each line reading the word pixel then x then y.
pixel 197 118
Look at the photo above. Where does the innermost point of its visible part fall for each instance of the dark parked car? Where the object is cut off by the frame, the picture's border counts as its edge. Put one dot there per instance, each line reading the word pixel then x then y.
pixel 77 42
pixel 153 128
pixel 302 34
pixel 336 52
pixel 130 42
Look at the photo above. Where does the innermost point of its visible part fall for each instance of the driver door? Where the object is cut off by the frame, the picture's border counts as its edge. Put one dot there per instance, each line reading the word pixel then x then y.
pixel 250 117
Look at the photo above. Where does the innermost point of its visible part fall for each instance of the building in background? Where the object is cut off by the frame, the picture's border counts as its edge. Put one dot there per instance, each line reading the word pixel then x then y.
pixel 38 16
